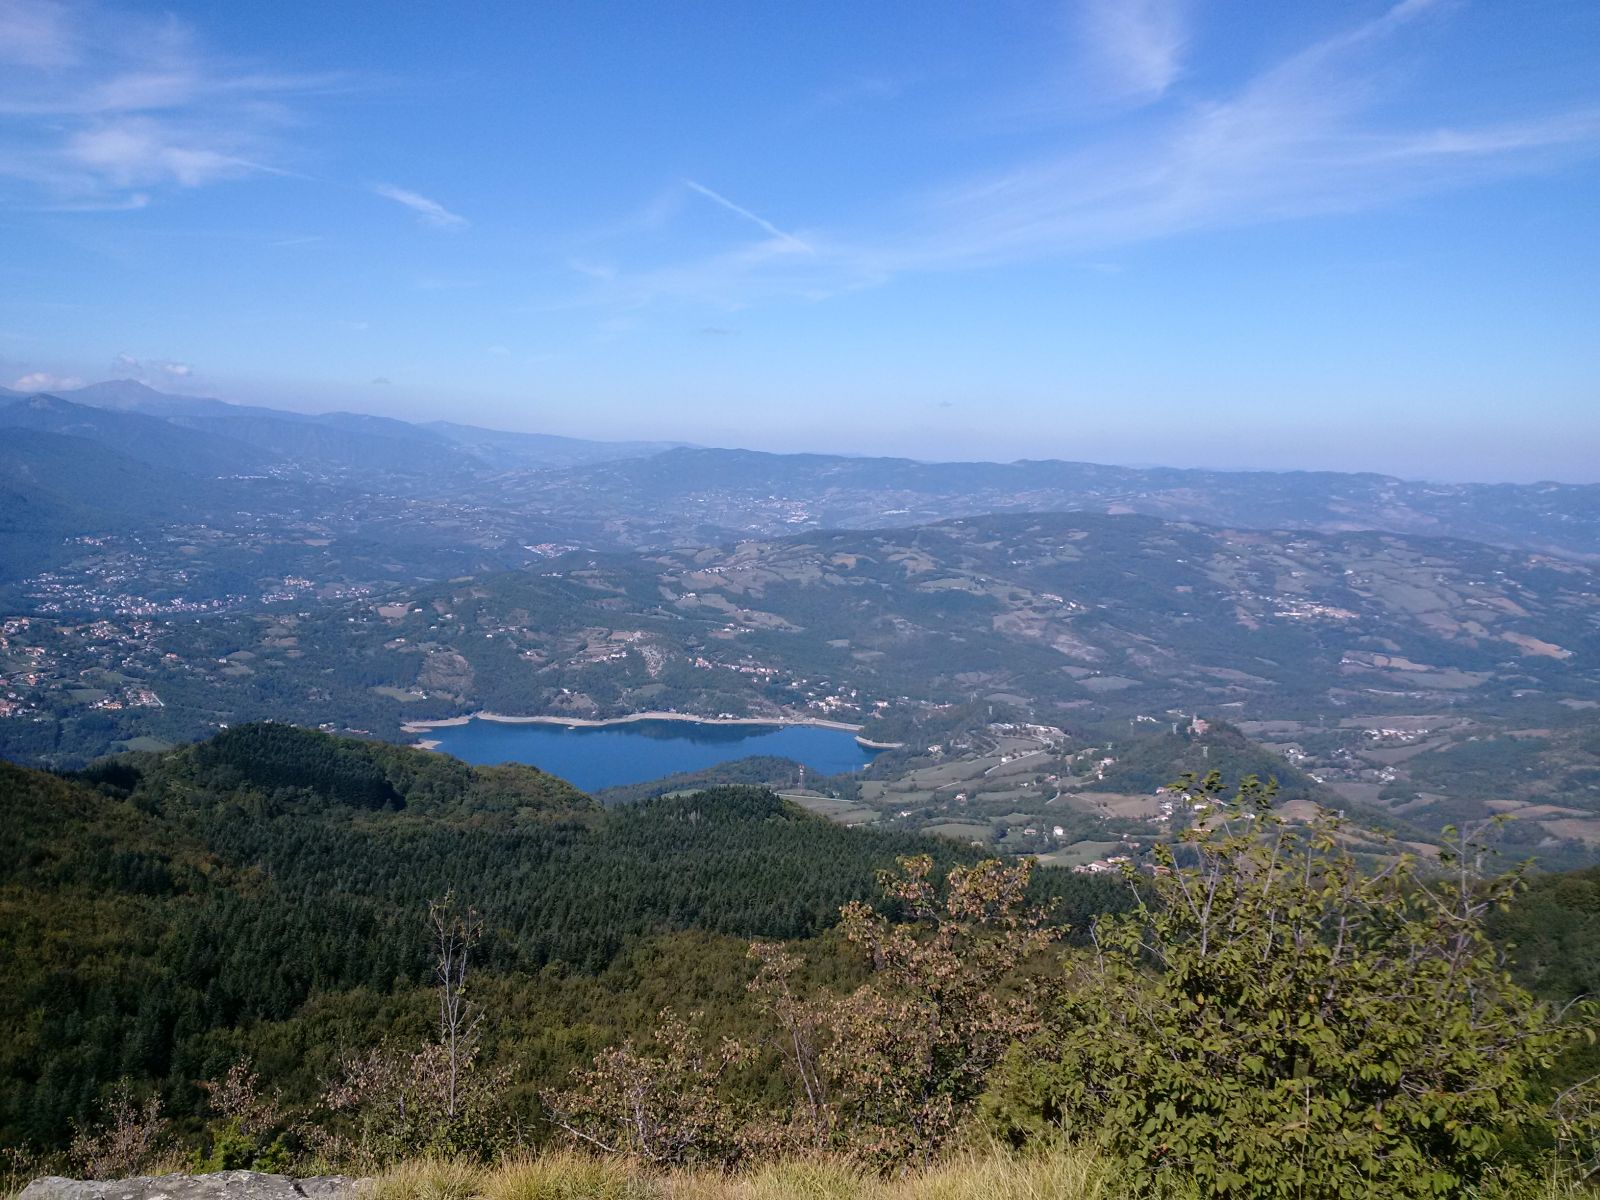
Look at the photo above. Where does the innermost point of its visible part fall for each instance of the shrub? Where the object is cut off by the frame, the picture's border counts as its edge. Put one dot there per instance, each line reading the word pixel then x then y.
pixel 891 1070
pixel 664 1108
pixel 1275 1022
pixel 131 1138
pixel 249 1129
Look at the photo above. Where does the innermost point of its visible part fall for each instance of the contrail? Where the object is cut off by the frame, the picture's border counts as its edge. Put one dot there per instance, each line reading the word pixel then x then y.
pixel 717 198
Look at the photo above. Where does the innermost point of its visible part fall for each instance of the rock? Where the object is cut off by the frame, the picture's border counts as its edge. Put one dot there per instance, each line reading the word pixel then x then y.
pixel 223 1185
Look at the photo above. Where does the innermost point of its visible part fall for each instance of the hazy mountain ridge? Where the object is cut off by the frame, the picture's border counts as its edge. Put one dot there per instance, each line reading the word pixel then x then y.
pixel 153 440
pixel 382 501
pixel 207 502
pixel 630 495
pixel 370 442
pixel 700 496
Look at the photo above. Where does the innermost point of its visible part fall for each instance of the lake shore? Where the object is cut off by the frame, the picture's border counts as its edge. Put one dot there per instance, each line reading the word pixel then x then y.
pixel 630 719
pixel 635 718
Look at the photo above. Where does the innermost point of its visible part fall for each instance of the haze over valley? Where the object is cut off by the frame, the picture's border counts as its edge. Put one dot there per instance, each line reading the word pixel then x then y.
pixel 1388 643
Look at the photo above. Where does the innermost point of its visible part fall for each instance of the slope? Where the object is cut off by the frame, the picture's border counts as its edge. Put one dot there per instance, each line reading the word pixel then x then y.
pixel 56 487
pixel 263 893
pixel 150 440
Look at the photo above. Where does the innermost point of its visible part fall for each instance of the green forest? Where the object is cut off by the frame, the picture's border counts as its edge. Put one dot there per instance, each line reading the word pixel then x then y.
pixel 262 894
pixel 288 950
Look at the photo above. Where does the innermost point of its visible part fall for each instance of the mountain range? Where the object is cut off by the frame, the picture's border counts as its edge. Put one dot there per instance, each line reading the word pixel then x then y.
pixel 631 495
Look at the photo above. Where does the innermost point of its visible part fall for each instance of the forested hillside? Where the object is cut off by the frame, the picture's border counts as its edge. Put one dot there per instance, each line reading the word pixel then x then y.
pixel 263 894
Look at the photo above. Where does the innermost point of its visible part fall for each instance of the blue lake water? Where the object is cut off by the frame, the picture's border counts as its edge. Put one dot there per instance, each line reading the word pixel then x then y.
pixel 594 757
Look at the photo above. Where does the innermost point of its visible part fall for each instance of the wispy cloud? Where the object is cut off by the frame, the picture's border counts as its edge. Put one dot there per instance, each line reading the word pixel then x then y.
pixel 36 35
pixel 143 151
pixel 1136 46
pixel 1310 135
pixel 430 212
pixel 44 381
pixel 129 202
pixel 854 92
pixel 862 87
pixel 100 107
pixel 155 371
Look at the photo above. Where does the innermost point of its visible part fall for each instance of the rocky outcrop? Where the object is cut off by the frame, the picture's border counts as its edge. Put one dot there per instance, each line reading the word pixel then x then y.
pixel 223 1185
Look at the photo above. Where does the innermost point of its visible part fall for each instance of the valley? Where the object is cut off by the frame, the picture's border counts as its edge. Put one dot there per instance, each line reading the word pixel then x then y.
pixel 1416 655
pixel 1368 671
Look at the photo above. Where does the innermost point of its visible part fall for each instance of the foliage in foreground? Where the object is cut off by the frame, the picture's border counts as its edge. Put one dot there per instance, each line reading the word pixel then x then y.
pixel 1269 1020
pixel 164 916
pixel 1277 1022
pixel 887 1073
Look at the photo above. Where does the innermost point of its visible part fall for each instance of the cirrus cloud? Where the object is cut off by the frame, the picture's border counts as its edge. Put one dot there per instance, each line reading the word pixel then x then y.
pixel 429 212
pixel 101 106
pixel 1312 134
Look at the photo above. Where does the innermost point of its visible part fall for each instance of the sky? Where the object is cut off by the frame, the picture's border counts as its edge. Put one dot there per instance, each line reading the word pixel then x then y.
pixel 1334 235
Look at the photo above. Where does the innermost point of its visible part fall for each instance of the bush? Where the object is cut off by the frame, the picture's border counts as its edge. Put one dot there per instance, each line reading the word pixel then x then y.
pixel 890 1072
pixel 663 1108
pixel 132 1137
pixel 1275 1022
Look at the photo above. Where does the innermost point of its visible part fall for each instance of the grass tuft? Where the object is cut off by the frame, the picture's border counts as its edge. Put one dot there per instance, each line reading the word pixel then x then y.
pixel 427 1179
pixel 568 1176
pixel 1062 1175
pixel 1058 1175
pixel 802 1179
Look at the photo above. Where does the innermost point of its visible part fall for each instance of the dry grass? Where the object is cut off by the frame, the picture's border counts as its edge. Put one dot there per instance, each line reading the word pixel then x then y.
pixel 1066 1175
pixel 429 1179
pixel 797 1179
pixel 1061 1175
pixel 567 1176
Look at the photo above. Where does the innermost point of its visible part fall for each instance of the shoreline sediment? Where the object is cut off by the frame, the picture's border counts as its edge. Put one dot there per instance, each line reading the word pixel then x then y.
pixel 635 718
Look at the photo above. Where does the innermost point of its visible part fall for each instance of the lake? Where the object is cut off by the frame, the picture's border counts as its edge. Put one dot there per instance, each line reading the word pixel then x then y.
pixel 601 756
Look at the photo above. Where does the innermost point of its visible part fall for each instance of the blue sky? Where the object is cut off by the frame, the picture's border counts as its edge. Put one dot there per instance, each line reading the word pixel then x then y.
pixel 1332 235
